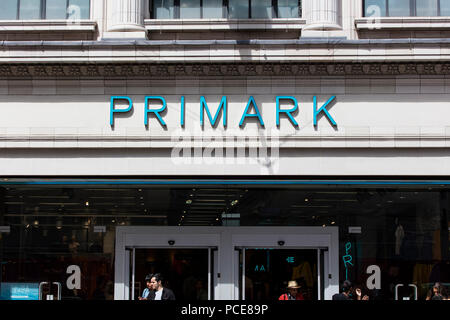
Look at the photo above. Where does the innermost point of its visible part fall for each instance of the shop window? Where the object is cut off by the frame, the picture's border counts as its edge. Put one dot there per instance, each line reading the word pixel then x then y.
pixel 212 9
pixel 238 9
pixel 190 9
pixel 8 9
pixel 261 9
pixel 231 9
pixel 164 9
pixel 44 9
pixel 288 8
pixel 406 8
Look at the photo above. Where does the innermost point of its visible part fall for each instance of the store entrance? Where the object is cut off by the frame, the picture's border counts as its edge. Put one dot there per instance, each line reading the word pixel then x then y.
pixel 185 271
pixel 228 263
pixel 266 274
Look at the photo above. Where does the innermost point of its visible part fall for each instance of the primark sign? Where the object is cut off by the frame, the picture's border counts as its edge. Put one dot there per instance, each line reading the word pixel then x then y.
pixel 156 106
pixel 252 148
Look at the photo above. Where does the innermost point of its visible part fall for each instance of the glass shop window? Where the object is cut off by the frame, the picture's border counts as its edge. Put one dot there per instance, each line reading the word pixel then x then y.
pixel 190 9
pixel 288 8
pixel 212 9
pixel 406 8
pixel 8 9
pixel 44 9
pixel 231 9
pixel 164 9
pixel 261 9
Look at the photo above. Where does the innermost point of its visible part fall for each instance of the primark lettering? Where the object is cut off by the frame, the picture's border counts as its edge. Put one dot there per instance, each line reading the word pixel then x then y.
pixel 157 105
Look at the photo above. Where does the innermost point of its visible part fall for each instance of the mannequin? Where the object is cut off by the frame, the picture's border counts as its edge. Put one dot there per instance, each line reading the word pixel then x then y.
pixel 399 235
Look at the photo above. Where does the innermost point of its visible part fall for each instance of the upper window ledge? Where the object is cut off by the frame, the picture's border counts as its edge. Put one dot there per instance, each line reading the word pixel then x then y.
pixel 409 23
pixel 223 24
pixel 47 25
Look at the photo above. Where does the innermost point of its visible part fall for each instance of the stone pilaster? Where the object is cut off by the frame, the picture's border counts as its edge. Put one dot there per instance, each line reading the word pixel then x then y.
pixel 126 19
pixel 323 14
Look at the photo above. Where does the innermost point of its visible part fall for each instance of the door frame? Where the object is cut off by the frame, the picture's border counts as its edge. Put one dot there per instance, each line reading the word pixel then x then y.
pixel 153 237
pixel 225 239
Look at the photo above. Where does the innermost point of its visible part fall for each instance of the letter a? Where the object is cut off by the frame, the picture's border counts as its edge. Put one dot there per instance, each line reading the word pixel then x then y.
pixel 251 101
pixel 74 281
pixel 374 281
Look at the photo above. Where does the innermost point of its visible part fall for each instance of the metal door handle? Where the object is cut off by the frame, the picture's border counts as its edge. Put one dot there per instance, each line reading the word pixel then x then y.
pixel 396 290
pixel 409 285
pixel 59 289
pixel 40 289
pixel 415 290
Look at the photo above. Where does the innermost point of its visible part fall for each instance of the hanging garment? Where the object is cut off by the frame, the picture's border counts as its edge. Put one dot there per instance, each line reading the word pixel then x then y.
pixel 399 235
pixel 303 270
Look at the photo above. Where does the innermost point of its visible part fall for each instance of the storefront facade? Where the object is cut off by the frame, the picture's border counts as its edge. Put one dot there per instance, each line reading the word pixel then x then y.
pixel 230 153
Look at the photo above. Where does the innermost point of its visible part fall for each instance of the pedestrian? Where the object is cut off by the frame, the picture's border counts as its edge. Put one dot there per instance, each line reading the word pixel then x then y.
pixel 346 292
pixel 437 292
pixel 159 292
pixel 292 292
pixel 148 289
pixel 359 295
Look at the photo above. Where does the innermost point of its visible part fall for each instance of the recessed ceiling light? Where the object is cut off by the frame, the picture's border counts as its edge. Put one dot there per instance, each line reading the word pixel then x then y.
pixel 188 201
pixel 306 199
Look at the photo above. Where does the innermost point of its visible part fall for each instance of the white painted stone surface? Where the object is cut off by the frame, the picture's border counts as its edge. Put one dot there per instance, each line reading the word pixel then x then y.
pixel 390 126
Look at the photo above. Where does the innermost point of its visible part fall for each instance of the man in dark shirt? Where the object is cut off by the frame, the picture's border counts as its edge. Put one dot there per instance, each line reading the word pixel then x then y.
pixel 347 288
pixel 159 292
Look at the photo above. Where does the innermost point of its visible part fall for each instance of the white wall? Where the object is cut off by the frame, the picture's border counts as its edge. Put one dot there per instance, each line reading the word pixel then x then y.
pixel 386 126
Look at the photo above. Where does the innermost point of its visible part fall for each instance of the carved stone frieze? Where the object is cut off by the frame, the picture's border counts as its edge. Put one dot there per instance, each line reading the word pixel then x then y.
pixel 143 70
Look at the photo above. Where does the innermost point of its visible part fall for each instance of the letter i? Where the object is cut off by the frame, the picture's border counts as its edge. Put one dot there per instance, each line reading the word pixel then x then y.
pixel 182 113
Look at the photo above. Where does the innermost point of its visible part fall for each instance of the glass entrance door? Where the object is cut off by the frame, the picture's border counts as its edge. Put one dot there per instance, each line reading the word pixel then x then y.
pixel 266 273
pixel 186 271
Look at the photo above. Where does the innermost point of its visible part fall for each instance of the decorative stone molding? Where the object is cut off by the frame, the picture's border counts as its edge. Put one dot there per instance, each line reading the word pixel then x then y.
pixel 16 26
pixel 145 70
pixel 83 140
pixel 403 23
pixel 179 25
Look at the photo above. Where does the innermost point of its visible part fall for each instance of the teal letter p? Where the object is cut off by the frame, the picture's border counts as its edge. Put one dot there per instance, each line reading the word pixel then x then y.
pixel 112 110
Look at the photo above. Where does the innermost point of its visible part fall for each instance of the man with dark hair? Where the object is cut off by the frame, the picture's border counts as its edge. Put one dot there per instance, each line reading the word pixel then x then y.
pixel 148 289
pixel 159 291
pixel 346 290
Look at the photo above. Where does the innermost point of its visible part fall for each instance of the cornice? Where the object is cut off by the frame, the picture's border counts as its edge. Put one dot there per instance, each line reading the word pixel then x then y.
pixel 146 70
